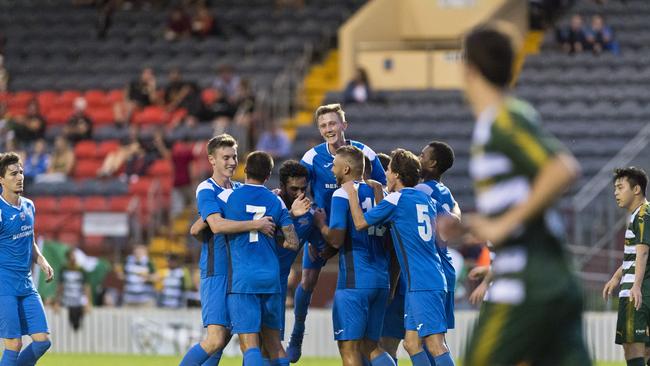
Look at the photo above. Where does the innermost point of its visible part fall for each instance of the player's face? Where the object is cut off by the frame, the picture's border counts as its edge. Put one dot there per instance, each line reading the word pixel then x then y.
pixel 338 168
pixel 426 158
pixel 295 187
pixel 623 193
pixel 391 179
pixel 224 161
pixel 13 179
pixel 332 128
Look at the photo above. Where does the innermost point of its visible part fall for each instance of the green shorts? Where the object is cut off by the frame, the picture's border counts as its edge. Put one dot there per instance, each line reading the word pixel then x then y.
pixel 632 325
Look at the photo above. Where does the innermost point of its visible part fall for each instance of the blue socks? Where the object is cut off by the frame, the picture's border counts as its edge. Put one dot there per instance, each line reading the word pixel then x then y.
pixel 301 302
pixel 383 360
pixel 280 362
pixel 444 360
pixel 32 353
pixel 196 356
pixel 9 358
pixel 214 359
pixel 253 357
pixel 420 359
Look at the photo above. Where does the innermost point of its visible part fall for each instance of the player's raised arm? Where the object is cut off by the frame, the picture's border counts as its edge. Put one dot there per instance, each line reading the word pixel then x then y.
pixel 355 209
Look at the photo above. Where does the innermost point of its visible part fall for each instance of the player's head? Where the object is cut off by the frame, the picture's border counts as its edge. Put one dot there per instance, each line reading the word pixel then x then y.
pixel 173 261
pixel 258 166
pixel 436 158
pixel 11 173
pixel 404 168
pixel 367 168
pixel 348 164
pixel 140 251
pixel 331 123
pixel 222 154
pixel 489 59
pixel 384 159
pixel 629 185
pixel 293 181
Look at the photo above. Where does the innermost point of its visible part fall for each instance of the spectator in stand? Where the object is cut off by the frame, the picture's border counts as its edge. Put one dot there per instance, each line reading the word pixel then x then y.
pixel 178 25
pixel 115 159
pixel 573 38
pixel 275 142
pixel 80 126
pixel 144 154
pixel 4 76
pixel 138 94
pixel 183 153
pixel 73 291
pixel 61 161
pixel 31 126
pixel 184 94
pixel 175 280
pixel 203 24
pixel 37 162
pixel 227 81
pixel 138 275
pixel 600 36
pixel 358 89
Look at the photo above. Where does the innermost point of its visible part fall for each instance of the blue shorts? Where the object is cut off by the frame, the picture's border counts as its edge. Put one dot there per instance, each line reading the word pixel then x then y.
pixel 359 313
pixel 449 310
pixel 214 308
pixel 22 315
pixel 307 263
pixel 394 318
pixel 250 312
pixel 424 312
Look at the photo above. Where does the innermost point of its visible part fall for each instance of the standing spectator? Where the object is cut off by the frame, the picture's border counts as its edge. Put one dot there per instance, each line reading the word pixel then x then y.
pixel 74 291
pixel 37 161
pixel 4 76
pixel 358 89
pixel 227 81
pixel 138 275
pixel 175 280
pixel 203 22
pixel 80 126
pixel 62 159
pixel 138 94
pixel 275 142
pixel 30 127
pixel 600 37
pixel 178 25
pixel 573 39
pixel 183 153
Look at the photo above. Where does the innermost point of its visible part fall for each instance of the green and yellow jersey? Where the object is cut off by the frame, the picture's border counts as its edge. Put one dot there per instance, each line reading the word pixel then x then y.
pixel 637 233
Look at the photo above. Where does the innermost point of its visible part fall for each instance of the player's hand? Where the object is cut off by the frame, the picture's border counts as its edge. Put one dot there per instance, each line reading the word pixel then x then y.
pixel 635 297
pixel 300 206
pixel 320 218
pixel 478 273
pixel 610 286
pixel 46 268
pixel 478 294
pixel 313 252
pixel 374 184
pixel 276 191
pixel 493 230
pixel 349 188
pixel 328 252
pixel 265 225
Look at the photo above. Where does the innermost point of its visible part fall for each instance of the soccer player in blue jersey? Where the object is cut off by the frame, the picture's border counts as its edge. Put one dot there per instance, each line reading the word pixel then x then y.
pixel 222 155
pixel 363 280
pixel 254 290
pixel 331 123
pixel 412 215
pixel 21 308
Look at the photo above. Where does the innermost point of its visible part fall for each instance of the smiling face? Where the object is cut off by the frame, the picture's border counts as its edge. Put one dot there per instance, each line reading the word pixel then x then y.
pixel 332 128
pixel 427 160
pixel 623 193
pixel 13 179
pixel 224 161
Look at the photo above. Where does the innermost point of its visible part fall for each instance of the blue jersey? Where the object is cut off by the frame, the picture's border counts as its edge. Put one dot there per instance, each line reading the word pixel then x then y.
pixel 307 233
pixel 441 194
pixel 363 258
pixel 253 263
pixel 214 257
pixel 319 162
pixel 412 214
pixel 16 241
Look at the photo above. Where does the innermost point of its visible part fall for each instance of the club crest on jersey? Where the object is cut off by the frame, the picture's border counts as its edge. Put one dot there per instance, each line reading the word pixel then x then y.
pixel 22 215
pixel 303 221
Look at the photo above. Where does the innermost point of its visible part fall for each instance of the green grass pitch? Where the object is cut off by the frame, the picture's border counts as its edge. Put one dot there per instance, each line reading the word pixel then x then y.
pixel 127 360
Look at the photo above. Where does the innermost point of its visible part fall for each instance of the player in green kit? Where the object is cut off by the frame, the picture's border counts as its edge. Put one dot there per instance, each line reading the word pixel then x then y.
pixel 634 296
pixel 534 311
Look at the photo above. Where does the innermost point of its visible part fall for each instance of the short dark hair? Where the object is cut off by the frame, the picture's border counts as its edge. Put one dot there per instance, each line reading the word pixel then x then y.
pixel 259 165
pixel 329 108
pixel 635 176
pixel 292 169
pixel 6 159
pixel 444 155
pixel 354 155
pixel 407 166
pixel 223 140
pixel 384 159
pixel 367 166
pixel 492 53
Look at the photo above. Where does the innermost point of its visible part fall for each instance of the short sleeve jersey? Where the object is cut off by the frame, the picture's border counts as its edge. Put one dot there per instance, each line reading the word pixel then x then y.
pixel 252 256
pixel 363 258
pixel 319 162
pixel 214 257
pixel 411 215
pixel 16 241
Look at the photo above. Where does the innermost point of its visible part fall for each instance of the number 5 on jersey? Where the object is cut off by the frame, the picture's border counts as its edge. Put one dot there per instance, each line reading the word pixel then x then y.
pixel 424 223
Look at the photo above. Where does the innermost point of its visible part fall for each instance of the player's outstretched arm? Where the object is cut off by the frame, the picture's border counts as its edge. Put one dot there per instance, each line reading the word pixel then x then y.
pixel 355 209
pixel 333 237
pixel 219 225
pixel 291 240
pixel 39 259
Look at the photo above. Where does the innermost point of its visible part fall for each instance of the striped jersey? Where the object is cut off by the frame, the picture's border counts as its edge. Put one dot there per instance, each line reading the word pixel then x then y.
pixel 137 287
pixel 73 281
pixel 636 233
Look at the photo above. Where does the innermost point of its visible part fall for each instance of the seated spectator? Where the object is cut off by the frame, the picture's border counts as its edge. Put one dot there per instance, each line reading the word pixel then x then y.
pixel 184 94
pixel 145 153
pixel 275 142
pixel 600 36
pixel 115 159
pixel 573 39
pixel 227 81
pixel 178 25
pixel 139 93
pixel 31 126
pixel 358 89
pixel 80 126
pixel 37 161
pixel 62 159
pixel 203 24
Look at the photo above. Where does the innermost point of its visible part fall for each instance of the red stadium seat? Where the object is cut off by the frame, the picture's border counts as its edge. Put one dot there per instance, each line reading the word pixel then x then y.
pixel 152 115
pixel 71 204
pixel 161 168
pixel 86 168
pixel 46 204
pixel 120 203
pixel 47 223
pixel 107 147
pixel 20 99
pixel 95 203
pixel 208 96
pixel 97 99
pixel 67 97
pixel 115 96
pixel 86 149
pixel 94 245
pixel 46 100
pixel 58 116
pixel 141 187
pixel 70 237
pixel 101 115
pixel 72 223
